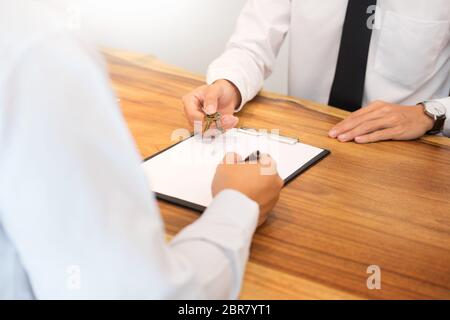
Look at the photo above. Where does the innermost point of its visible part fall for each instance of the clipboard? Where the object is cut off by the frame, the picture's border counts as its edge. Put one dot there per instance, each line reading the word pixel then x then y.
pixel 182 174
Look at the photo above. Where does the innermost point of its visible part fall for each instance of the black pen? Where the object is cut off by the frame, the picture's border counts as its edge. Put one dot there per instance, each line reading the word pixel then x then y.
pixel 255 156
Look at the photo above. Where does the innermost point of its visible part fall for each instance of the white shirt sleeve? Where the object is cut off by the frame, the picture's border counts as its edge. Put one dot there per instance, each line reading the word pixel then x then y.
pixel 76 205
pixel 252 51
pixel 446 103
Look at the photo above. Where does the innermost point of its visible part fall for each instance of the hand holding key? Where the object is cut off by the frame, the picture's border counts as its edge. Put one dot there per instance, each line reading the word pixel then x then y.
pixel 222 97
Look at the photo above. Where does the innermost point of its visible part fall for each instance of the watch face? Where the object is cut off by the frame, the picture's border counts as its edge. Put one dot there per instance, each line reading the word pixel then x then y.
pixel 436 109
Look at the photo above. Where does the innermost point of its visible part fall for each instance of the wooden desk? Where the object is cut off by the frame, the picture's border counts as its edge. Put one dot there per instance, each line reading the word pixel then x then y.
pixel 385 204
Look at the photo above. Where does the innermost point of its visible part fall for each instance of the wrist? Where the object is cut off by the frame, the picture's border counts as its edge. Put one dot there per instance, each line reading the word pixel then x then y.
pixel 235 91
pixel 437 112
pixel 427 121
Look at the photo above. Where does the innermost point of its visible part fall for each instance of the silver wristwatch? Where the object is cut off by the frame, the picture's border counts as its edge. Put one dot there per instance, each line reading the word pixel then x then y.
pixel 436 111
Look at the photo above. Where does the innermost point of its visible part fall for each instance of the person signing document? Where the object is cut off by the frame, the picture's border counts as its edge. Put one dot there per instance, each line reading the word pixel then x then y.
pixel 77 218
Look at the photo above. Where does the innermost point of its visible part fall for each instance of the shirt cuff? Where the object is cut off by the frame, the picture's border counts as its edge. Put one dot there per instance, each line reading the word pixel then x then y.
pixel 235 77
pixel 229 223
pixel 229 220
pixel 446 103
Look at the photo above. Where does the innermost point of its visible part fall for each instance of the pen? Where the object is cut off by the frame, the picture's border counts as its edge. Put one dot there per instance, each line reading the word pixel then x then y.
pixel 255 156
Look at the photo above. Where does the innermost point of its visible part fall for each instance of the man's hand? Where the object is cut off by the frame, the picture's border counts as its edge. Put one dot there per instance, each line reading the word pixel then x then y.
pixel 222 96
pixel 259 181
pixel 381 121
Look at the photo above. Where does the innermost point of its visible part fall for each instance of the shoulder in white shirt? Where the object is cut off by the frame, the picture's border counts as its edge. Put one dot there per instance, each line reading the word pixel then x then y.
pixel 77 218
pixel 409 58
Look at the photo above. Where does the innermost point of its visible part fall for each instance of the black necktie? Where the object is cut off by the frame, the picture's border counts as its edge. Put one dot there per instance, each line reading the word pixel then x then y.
pixel 348 86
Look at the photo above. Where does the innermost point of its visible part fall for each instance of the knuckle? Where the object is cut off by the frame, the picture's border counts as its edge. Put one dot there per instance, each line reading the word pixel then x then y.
pixel 365 128
pixel 212 88
pixel 185 108
pixel 187 98
pixel 371 137
pixel 343 125
pixel 386 108
pixel 347 127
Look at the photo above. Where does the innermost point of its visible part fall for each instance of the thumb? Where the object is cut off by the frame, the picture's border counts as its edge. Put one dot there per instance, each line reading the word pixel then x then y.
pixel 211 101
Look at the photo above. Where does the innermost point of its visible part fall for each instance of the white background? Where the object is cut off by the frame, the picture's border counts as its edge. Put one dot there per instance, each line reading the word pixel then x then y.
pixel 186 33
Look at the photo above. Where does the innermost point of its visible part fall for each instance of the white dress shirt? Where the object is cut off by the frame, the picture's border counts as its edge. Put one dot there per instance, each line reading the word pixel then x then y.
pixel 409 57
pixel 77 218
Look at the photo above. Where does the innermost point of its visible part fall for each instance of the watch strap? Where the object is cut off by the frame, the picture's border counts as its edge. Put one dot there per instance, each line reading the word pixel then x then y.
pixel 439 122
pixel 438 126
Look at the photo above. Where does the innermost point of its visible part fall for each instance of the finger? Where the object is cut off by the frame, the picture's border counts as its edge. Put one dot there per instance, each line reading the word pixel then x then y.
pixel 364 128
pixel 265 159
pixel 232 158
pixel 211 102
pixel 354 121
pixel 382 135
pixel 192 108
pixel 338 129
pixel 268 165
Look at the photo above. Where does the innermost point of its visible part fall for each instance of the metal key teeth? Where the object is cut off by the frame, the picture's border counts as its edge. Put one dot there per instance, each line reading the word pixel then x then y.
pixel 210 118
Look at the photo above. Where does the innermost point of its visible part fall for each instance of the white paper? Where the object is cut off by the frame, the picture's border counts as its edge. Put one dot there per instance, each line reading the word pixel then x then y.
pixel 186 170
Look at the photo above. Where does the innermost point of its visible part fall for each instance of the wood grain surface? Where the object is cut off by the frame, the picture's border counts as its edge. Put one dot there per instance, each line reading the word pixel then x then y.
pixel 385 204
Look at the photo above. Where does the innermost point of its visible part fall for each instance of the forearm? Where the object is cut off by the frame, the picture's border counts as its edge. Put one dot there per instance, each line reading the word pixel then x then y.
pixel 243 71
pixel 251 52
